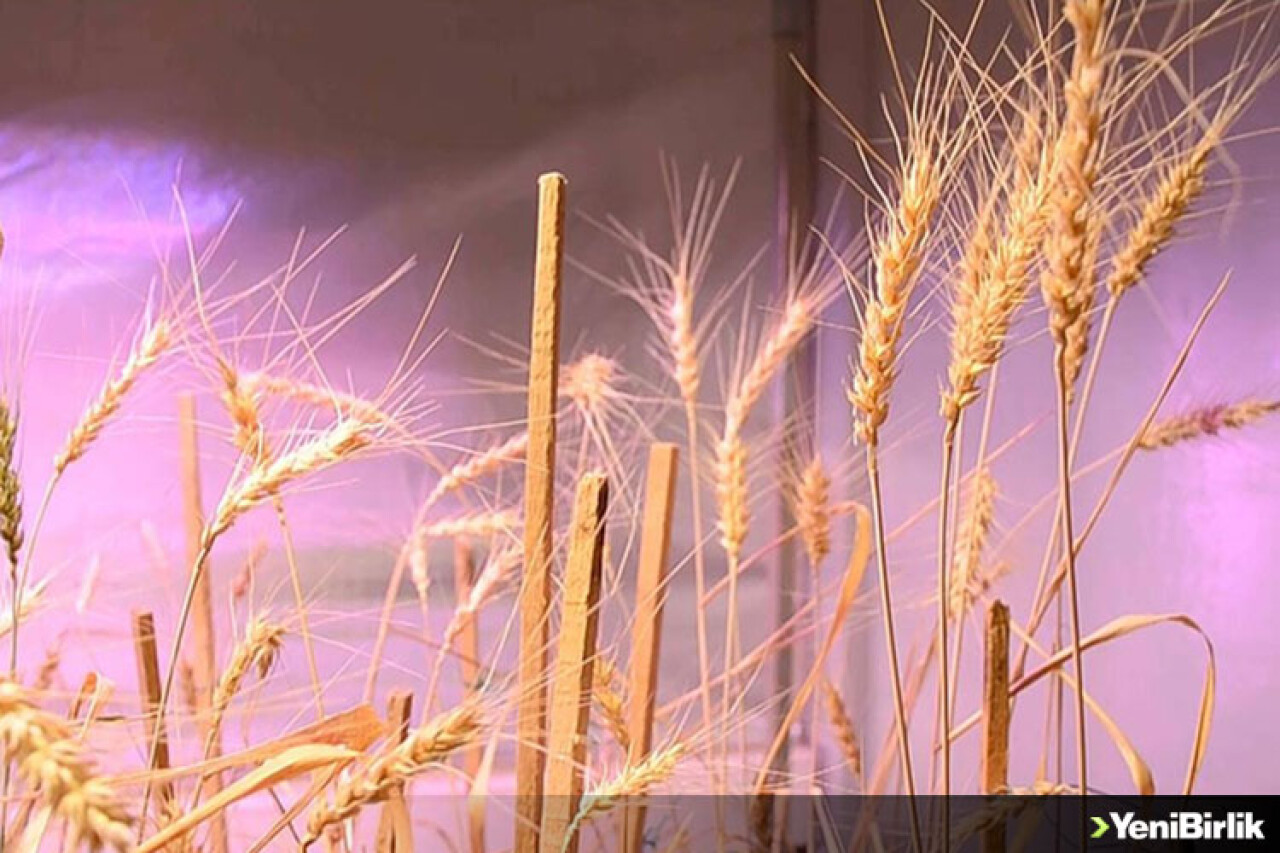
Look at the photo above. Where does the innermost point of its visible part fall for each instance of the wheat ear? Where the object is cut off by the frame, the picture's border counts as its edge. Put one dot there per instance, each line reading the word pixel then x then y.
pixel 482 464
pixel 1205 421
pixel 634 780
pixel 10 491
pixel 974 528
pixel 1177 188
pixel 442 736
pixel 612 705
pixel 477 525
pixel 153 344
pixel 258 651
pixel 54 764
pixel 812 510
pixel 842 727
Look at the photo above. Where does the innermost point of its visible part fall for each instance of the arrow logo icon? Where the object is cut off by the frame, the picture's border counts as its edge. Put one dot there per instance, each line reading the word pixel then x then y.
pixel 1102 827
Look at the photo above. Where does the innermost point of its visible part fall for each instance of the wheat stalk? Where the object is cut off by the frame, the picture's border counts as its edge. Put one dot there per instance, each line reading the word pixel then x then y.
pixel 1067 284
pixel 442 736
pixel 56 768
pixel 842 727
pixel 1205 421
pixel 150 347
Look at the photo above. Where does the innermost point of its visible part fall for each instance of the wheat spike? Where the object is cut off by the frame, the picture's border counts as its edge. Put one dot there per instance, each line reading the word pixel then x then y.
pixel 993 286
pixel 341 403
pixel 1177 188
pixel 613 707
pixel 10 485
pixel 1067 283
pixel 897 255
pixel 150 347
pixel 589 383
pixel 266 479
pixel 258 651
pixel 442 736
pixel 242 401
pixel 731 492
pixel 478 525
pixel 633 781
pixel 842 727
pixel 472 469
pixel 976 521
pixel 812 509
pixel 54 765
pixel 1205 421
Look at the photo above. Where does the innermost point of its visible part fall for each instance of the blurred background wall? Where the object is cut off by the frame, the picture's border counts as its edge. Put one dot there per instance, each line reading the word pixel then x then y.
pixel 411 123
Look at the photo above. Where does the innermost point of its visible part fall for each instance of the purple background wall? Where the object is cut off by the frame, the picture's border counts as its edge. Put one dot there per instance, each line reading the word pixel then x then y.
pixel 416 122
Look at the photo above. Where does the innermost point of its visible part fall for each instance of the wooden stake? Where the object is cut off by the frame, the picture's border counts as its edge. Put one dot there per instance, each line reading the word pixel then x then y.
pixel 646 630
pixel 204 660
pixel 467 645
pixel 539 494
pixel 393 824
pixel 149 686
pixel 996 716
pixel 575 656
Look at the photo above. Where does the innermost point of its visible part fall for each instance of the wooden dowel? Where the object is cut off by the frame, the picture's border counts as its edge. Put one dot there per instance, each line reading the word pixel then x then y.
pixel 149 687
pixel 204 655
pixel 572 679
pixel 996 716
pixel 539 517
pixel 467 645
pixel 646 630
pixel 393 823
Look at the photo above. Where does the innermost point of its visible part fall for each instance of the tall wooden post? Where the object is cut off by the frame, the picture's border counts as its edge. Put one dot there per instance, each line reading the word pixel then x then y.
pixel 204 657
pixel 795 158
pixel 149 688
pixel 574 668
pixel 539 516
pixel 996 716
pixel 646 630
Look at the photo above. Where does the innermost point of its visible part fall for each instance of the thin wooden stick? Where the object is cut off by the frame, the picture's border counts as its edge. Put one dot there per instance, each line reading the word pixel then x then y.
pixel 149 686
pixel 204 657
pixel 539 496
pixel 467 645
pixel 393 823
pixel 574 667
pixel 646 630
pixel 996 716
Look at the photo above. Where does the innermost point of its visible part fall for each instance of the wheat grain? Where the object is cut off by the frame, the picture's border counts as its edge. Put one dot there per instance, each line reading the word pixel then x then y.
pixel 439 738
pixel 56 768
pixel 842 727
pixel 148 351
pixel 1205 421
